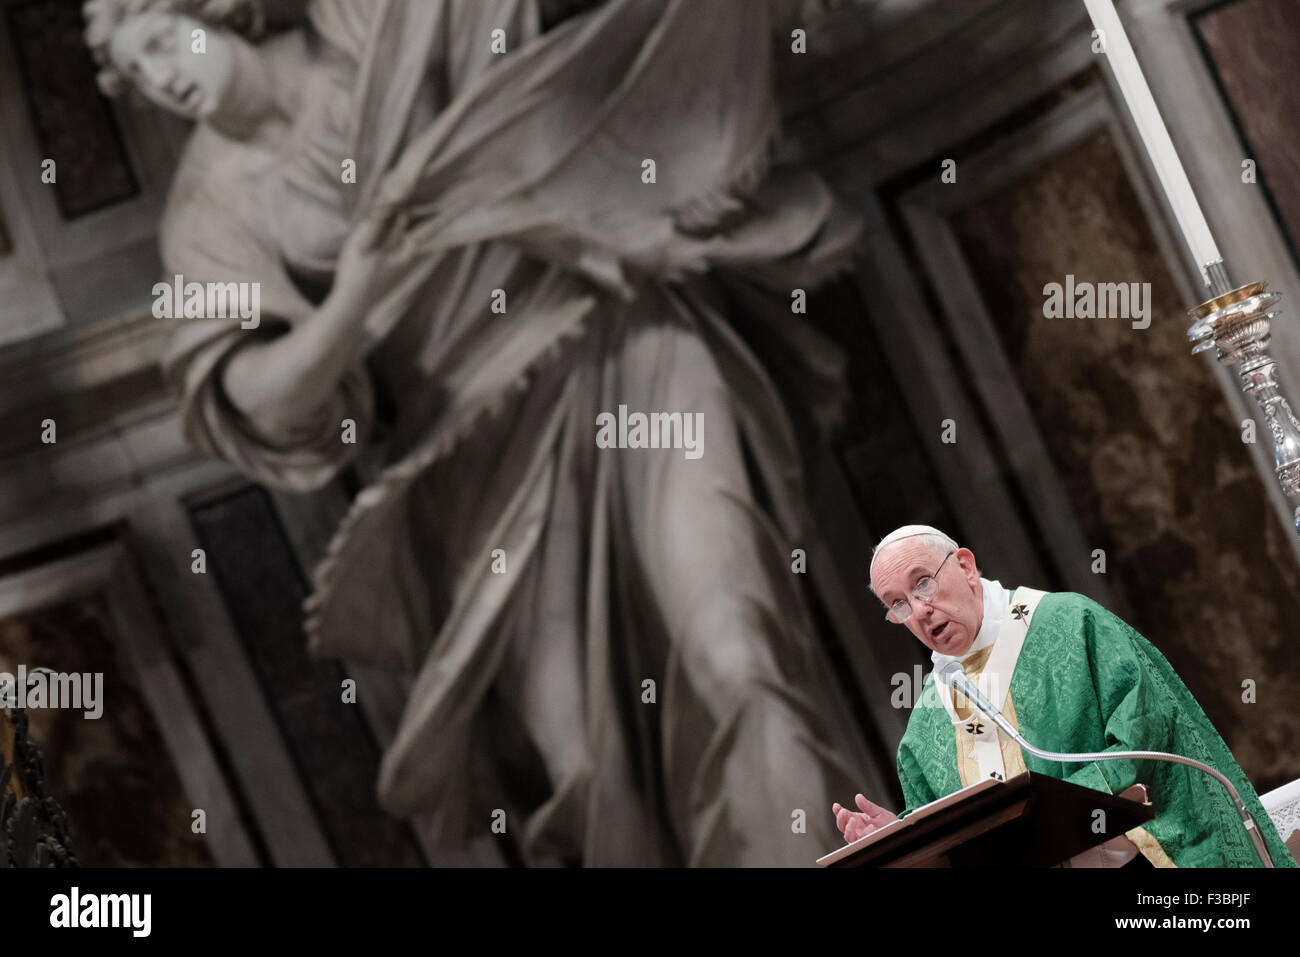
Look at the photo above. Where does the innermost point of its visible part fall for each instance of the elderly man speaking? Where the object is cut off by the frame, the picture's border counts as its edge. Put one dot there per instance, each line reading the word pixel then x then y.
pixel 1071 677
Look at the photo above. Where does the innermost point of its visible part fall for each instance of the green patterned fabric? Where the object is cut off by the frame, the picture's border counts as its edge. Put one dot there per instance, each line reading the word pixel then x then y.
pixel 1086 681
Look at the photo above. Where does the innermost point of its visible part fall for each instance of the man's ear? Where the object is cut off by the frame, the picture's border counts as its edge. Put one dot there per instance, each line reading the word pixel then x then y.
pixel 966 559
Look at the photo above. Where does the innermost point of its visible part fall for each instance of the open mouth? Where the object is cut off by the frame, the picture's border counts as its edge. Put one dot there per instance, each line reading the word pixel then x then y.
pixel 939 631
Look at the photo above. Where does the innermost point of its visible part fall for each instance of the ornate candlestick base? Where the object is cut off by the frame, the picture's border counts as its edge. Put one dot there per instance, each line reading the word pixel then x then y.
pixel 33 828
pixel 1236 323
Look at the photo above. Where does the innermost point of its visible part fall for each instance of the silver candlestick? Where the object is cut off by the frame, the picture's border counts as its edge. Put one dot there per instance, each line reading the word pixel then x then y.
pixel 1236 323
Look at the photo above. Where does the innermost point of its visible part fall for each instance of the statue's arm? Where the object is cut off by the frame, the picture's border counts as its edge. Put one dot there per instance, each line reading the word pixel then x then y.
pixel 273 401
pixel 279 384
pixel 284 384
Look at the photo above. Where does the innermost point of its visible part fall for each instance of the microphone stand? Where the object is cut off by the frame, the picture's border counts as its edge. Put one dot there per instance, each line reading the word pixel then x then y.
pixel 955 678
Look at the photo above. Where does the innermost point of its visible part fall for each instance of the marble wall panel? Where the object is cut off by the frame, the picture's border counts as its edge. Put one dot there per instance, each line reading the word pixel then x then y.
pixel 113 776
pixel 1250 47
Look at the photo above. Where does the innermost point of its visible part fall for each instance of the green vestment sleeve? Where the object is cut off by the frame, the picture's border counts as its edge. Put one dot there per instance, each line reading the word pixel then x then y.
pixel 913 783
pixel 1141 704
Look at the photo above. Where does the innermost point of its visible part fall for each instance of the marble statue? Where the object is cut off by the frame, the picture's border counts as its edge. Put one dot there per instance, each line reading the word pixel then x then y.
pixel 485 224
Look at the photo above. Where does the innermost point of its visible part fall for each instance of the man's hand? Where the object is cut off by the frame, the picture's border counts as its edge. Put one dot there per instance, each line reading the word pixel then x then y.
pixel 856 824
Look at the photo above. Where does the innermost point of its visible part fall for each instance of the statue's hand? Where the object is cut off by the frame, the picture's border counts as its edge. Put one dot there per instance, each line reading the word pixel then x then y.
pixel 857 824
pixel 375 256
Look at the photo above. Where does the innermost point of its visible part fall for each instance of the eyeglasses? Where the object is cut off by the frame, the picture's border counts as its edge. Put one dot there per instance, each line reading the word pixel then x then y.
pixel 924 589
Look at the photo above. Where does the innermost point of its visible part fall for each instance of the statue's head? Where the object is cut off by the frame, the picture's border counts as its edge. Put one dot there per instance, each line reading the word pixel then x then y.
pixel 184 64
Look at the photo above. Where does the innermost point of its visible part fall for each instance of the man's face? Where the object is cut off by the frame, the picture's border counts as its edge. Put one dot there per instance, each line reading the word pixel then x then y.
pixel 948 622
pixel 154 51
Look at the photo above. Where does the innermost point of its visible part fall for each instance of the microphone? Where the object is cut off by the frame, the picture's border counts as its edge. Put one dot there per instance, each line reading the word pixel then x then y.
pixel 954 676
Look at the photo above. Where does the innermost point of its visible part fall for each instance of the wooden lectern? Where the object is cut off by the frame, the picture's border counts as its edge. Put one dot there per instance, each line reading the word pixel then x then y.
pixel 1031 820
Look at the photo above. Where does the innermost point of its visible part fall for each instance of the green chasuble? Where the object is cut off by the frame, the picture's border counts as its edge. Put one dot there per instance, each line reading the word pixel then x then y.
pixel 1085 681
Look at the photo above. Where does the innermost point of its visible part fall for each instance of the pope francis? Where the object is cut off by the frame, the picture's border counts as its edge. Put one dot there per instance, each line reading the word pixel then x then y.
pixel 1072 677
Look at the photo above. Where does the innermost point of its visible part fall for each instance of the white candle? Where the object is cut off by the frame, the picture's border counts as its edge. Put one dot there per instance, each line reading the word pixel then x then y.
pixel 1142 107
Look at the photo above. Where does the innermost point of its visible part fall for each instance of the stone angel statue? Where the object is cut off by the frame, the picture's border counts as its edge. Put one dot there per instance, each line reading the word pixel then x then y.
pixel 485 223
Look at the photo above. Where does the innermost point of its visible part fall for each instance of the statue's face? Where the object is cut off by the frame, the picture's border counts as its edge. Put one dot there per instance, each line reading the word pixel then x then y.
pixel 949 622
pixel 155 51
